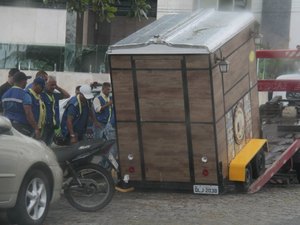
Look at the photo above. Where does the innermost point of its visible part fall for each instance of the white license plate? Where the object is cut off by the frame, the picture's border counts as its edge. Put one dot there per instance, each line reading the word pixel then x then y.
pixel 206 189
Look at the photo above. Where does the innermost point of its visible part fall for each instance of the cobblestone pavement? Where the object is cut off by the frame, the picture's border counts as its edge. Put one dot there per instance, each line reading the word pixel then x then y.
pixel 274 205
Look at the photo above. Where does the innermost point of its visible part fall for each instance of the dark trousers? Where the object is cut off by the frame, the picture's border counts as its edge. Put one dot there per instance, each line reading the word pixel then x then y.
pixel 25 129
pixel 48 134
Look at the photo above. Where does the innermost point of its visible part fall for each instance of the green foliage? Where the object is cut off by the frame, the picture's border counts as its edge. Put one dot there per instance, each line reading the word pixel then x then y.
pixel 105 9
pixel 139 9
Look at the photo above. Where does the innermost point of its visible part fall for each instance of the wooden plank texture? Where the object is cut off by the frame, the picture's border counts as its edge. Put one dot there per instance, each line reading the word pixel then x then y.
pixel 200 99
pixel 240 89
pixel 239 62
pixel 120 62
pixel 128 144
pixel 197 61
pixel 123 95
pixel 236 41
pixel 222 146
pixel 203 140
pixel 165 152
pixel 218 93
pixel 159 62
pixel 161 95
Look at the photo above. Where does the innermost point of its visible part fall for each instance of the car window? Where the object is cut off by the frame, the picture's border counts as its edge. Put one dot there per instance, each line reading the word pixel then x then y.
pixel 293 95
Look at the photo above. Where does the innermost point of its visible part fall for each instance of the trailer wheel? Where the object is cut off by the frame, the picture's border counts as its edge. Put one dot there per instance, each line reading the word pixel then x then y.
pixel 244 186
pixel 258 164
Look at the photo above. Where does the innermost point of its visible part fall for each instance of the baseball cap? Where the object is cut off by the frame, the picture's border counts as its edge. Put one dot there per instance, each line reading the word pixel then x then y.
pixel 19 76
pixel 86 90
pixel 12 72
pixel 40 81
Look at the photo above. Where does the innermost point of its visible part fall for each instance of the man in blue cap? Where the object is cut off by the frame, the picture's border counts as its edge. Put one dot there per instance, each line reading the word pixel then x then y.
pixel 35 110
pixel 14 102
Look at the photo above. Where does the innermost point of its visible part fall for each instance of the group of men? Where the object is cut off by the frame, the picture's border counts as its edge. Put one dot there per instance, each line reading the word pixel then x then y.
pixel 34 109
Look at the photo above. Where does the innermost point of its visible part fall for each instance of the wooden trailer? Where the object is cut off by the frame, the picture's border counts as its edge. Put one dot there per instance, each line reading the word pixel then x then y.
pixel 181 122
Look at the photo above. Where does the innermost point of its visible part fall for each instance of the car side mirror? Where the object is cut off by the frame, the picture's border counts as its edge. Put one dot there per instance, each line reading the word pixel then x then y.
pixel 5 125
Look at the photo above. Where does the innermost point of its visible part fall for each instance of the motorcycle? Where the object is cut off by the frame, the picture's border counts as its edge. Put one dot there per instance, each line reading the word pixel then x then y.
pixel 87 186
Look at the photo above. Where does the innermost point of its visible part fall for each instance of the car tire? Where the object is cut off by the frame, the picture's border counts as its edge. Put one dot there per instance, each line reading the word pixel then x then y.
pixel 33 200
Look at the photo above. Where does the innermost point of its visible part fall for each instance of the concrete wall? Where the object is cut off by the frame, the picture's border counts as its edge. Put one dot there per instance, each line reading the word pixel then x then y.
pixel 294 29
pixel 32 26
pixel 165 7
pixel 67 80
pixel 275 24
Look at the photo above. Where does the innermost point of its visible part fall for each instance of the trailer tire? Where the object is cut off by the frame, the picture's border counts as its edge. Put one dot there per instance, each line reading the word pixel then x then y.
pixel 258 164
pixel 244 186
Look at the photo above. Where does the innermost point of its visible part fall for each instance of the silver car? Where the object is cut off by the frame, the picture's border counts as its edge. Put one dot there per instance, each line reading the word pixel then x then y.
pixel 30 177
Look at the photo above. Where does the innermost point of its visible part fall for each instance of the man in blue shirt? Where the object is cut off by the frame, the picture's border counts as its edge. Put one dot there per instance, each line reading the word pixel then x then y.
pixel 42 74
pixel 15 102
pixel 8 84
pixel 75 117
pixel 51 99
pixel 35 111
pixel 103 107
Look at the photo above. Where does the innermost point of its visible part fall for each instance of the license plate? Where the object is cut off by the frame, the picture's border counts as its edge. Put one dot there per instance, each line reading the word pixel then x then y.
pixel 206 189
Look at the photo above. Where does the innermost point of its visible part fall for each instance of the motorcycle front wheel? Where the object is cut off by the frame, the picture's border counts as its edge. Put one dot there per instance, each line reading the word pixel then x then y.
pixel 92 191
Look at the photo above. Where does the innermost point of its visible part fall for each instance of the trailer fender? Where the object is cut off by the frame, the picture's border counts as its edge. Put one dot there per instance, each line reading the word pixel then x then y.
pixel 237 166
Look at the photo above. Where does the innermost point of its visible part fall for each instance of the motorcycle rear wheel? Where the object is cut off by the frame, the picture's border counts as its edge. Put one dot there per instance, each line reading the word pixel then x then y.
pixel 95 191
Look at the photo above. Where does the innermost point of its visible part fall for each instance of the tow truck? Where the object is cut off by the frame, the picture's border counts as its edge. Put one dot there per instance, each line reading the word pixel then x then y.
pixel 280 124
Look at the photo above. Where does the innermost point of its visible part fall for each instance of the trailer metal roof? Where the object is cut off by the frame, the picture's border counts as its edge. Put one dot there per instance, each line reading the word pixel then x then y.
pixel 201 32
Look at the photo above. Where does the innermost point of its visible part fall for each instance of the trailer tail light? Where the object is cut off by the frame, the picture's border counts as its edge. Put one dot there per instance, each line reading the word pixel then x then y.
pixel 205 172
pixel 204 159
pixel 130 157
pixel 131 169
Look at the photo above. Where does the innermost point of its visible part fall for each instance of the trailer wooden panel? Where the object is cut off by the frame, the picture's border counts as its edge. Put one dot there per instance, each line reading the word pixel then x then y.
pixel 222 147
pixel 165 152
pixel 237 41
pixel 160 95
pixel 121 62
pixel 204 145
pixel 162 62
pixel 197 62
pixel 218 94
pixel 200 101
pixel 129 143
pixel 124 98
pixel 238 69
pixel 240 89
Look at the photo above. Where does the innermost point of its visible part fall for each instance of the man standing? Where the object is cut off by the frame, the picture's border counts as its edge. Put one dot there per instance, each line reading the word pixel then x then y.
pixel 7 85
pixel 35 109
pixel 14 102
pixel 41 74
pixel 51 100
pixel 103 108
pixel 76 115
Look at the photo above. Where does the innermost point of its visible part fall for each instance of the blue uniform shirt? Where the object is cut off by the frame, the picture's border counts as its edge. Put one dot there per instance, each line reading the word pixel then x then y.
pixel 52 108
pixel 80 114
pixel 13 101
